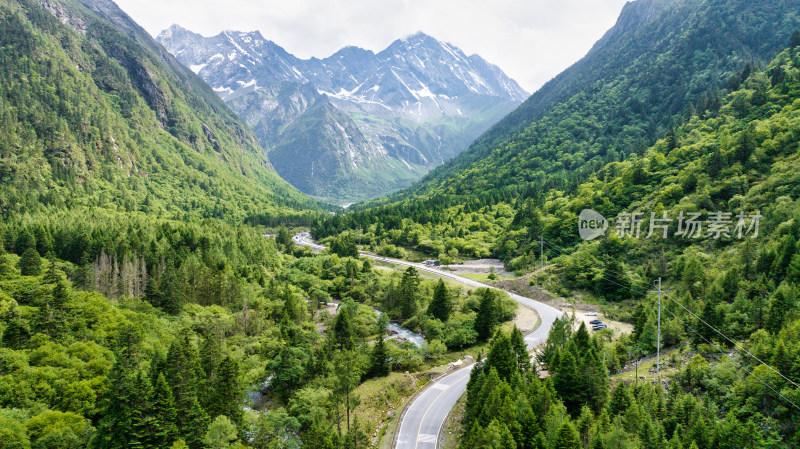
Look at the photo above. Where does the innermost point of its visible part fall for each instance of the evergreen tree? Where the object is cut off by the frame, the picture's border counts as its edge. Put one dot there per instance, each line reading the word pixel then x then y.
pixel 25 240
pixel 121 422
pixel 226 392
pixel 210 358
pixel 782 303
pixel 568 437
pixel 343 329
pixel 380 365
pixel 621 399
pixel 29 263
pixel 502 357
pixel 184 376
pixel 442 304
pixel 486 319
pixel 52 276
pixel 594 380
pixel 409 292
pixel 520 350
pixel 164 412
pixel 567 381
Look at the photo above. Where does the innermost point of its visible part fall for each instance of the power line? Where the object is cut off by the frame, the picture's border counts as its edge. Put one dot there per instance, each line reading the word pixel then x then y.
pixel 732 342
pixel 612 276
pixel 734 361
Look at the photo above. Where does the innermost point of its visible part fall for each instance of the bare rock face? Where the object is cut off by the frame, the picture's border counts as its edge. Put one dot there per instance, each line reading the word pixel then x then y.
pixel 357 124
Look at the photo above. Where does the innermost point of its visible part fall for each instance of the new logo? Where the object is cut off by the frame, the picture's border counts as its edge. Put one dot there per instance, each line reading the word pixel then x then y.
pixel 591 224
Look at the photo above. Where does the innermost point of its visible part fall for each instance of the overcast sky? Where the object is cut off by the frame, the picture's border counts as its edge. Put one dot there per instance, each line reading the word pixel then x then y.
pixel 531 40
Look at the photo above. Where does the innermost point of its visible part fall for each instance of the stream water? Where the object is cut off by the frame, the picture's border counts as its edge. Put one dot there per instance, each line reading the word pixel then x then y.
pixel 396 331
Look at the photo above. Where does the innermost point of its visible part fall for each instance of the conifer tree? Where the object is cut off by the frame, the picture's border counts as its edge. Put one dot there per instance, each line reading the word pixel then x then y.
pixel 567 437
pixel 520 350
pixel 502 357
pixel 226 392
pixel 441 304
pixel 122 418
pixel 409 292
pixel 380 365
pixel 567 382
pixel 29 263
pixel 184 376
pixel 343 330
pixel 594 381
pixel 486 320
pixel 164 412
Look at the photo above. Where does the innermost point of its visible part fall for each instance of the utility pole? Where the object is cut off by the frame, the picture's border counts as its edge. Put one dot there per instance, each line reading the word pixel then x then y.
pixel 658 337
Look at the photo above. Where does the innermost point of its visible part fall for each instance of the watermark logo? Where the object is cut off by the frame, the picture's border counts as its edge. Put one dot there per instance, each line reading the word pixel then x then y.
pixel 689 225
pixel 591 224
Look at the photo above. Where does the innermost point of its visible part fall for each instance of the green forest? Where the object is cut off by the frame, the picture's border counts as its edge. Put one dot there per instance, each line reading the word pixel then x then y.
pixel 152 296
pixel 732 314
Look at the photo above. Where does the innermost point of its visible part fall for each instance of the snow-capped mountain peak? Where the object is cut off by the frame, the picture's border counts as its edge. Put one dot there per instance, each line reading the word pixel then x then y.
pixel 406 108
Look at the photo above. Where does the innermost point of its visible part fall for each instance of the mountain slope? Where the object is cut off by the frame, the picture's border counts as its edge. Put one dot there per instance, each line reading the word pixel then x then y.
pixel 95 112
pixel 660 57
pixel 415 104
pixel 661 62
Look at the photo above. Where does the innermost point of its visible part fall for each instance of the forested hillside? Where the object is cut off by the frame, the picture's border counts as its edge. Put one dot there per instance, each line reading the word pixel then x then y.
pixel 729 318
pixel 95 113
pixel 729 323
pixel 141 304
pixel 662 63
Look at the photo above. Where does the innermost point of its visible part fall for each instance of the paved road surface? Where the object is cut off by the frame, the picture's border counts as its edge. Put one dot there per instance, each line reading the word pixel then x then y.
pixel 425 416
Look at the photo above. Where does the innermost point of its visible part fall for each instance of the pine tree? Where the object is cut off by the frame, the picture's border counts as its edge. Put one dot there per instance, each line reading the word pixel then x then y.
pixel 520 350
pixel 343 330
pixel 502 357
pixel 783 301
pixel 164 412
pixel 442 304
pixel 409 292
pixel 620 399
pixel 568 437
pixel 29 263
pixel 486 319
pixel 366 267
pixel 210 357
pixel 226 392
pixel 567 382
pixel 24 241
pixel 594 380
pixel 121 416
pixel 52 276
pixel 184 376
pixel 380 365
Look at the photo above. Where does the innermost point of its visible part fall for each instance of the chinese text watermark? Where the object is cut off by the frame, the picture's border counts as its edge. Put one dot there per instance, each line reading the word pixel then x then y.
pixel 690 225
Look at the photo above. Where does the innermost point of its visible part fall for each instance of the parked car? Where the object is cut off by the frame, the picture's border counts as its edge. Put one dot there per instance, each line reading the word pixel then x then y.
pixel 597 327
pixel 591 313
pixel 595 322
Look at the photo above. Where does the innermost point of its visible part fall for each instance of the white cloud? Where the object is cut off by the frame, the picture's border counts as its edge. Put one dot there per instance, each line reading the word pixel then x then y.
pixel 531 40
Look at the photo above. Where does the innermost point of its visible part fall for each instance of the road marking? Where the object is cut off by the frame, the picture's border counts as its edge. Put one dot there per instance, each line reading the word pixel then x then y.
pixel 440 386
pixel 427 438
pixel 429 409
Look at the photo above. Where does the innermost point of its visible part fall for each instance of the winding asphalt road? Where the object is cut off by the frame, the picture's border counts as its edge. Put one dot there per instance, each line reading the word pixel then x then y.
pixel 424 417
